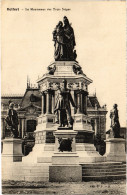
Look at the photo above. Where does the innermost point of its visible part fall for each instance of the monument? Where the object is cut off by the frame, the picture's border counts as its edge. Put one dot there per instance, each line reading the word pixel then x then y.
pixel 115 145
pixel 12 145
pixel 64 118
pixel 57 155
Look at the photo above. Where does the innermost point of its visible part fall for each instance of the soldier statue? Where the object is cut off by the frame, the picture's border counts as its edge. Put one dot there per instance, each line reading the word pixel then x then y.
pixel 62 106
pixel 12 120
pixel 115 125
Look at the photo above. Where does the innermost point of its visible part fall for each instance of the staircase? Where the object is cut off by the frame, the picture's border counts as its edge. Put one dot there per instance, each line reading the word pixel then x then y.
pixel 103 171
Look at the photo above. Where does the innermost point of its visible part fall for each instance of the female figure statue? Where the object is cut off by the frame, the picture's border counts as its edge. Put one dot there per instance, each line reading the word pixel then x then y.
pixel 64 39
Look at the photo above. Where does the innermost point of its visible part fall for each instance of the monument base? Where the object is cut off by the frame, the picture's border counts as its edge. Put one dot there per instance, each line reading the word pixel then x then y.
pixel 82 122
pixel 115 150
pixel 12 150
pixel 46 122
pixel 65 158
pixel 62 136
pixel 65 161
pixel 66 173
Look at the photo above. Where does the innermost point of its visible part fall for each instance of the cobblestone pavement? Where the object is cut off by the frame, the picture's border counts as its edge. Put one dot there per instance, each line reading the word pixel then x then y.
pixel 117 187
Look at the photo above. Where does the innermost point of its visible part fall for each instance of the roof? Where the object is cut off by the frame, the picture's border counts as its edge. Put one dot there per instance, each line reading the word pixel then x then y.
pixel 26 98
pixel 93 101
pixel 16 99
pixel 22 100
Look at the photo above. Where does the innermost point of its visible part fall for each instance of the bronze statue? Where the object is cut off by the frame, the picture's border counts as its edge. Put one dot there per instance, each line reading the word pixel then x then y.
pixel 58 35
pixel 12 120
pixel 62 106
pixel 51 69
pixel 77 69
pixel 115 125
pixel 64 39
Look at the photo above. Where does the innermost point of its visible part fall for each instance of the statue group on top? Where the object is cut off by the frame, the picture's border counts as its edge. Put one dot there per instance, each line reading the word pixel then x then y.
pixel 64 41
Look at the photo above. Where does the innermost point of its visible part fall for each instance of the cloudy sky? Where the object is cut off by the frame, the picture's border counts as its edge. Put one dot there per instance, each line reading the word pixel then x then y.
pixel 99 27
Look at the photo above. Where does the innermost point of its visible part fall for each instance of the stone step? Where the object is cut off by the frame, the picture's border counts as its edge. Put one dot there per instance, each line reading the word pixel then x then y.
pixel 36 178
pixel 103 170
pixel 103 178
pixel 33 168
pixel 85 148
pixel 98 165
pixel 104 167
pixel 103 173
pixel 29 172
pixel 90 148
pixel 41 174
pixel 26 178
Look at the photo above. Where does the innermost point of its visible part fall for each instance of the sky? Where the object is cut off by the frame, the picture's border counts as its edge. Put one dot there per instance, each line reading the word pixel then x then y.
pixel 100 34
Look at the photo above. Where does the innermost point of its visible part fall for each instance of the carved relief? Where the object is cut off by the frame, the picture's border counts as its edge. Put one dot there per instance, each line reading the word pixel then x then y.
pixel 56 85
pixel 65 144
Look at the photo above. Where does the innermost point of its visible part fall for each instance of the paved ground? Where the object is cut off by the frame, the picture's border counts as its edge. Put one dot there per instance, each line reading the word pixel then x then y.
pixel 117 187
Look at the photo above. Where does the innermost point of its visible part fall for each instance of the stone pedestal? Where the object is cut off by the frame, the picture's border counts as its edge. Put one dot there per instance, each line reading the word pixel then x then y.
pixel 46 121
pixel 115 150
pixel 64 68
pixel 65 158
pixel 82 122
pixel 65 173
pixel 12 150
pixel 65 164
pixel 65 134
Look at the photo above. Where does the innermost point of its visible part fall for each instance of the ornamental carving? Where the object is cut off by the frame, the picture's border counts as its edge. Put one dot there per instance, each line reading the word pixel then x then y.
pixel 65 144
pixel 56 85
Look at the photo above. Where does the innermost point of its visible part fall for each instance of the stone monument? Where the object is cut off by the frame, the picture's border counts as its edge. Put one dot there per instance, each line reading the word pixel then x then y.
pixel 12 145
pixel 64 134
pixel 64 118
pixel 115 145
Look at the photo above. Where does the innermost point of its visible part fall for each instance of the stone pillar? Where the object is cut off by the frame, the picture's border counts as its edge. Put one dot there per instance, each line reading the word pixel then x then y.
pixel 72 108
pixel 85 104
pixel 19 129
pixel 78 103
pixel 23 127
pixel 2 128
pixel 48 102
pixel 53 102
pixel 95 127
pixel 43 104
pixel 82 102
pixel 99 125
